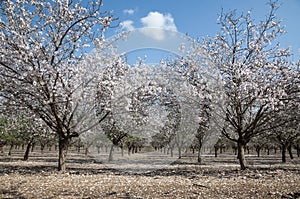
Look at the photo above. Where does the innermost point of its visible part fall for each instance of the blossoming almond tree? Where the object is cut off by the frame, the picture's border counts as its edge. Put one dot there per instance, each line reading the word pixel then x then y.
pixel 288 133
pixel 42 45
pixel 254 71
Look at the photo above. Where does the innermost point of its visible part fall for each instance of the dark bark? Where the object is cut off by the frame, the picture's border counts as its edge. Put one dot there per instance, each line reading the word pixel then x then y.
pixel 129 149
pixel 110 157
pixel 62 153
pixel 258 149
pixel 241 155
pixel 10 149
pixel 86 151
pixel 32 147
pixel 135 149
pixel 42 148
pixel 216 152
pixel 26 154
pixel 289 148
pixel 234 148
pixel 29 145
pixel 199 159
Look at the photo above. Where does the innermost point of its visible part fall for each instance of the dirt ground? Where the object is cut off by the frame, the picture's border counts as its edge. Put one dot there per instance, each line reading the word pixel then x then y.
pixel 89 178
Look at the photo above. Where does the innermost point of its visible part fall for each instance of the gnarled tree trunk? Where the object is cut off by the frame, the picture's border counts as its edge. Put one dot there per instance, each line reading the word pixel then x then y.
pixel 26 154
pixel 241 154
pixel 62 153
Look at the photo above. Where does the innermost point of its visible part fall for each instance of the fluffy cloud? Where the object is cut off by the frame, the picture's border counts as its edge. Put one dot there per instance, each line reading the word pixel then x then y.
pixel 128 11
pixel 159 20
pixel 155 24
pixel 127 25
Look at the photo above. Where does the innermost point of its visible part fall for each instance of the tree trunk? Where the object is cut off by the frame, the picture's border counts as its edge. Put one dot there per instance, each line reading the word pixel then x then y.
pixel 199 155
pixel 10 149
pixel 298 150
pixel 26 154
pixel 234 150
pixel 179 152
pixel 241 155
pixel 42 148
pixel 283 157
pixel 258 151
pixel 216 151
pixel 86 152
pixel 289 148
pixel 62 153
pixel 122 151
pixel 136 149
pixel 32 146
pixel 129 150
pixel 110 157
pixel 171 152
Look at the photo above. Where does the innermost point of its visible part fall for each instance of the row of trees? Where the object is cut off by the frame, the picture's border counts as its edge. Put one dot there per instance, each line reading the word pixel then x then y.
pixel 260 83
pixel 18 130
pixel 28 139
pixel 42 46
pixel 238 83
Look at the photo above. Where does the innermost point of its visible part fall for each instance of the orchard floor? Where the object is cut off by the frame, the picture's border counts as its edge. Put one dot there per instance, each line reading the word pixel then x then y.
pixel 91 178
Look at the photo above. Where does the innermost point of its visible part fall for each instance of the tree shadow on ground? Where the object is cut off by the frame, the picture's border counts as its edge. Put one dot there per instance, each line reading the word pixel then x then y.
pixel 46 170
pixel 90 166
pixel 12 192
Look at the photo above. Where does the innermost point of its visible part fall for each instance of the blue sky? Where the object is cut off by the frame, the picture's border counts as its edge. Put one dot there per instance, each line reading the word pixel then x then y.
pixel 197 18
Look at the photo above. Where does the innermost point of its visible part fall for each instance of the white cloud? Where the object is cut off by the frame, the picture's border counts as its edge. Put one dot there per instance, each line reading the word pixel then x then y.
pixel 128 11
pixel 127 25
pixel 156 24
